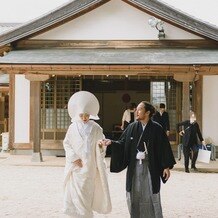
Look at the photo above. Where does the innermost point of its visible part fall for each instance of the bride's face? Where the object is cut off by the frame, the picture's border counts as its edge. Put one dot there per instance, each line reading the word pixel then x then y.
pixel 84 117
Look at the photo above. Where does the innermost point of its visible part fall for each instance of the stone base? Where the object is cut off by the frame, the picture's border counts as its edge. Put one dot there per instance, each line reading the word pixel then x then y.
pixel 45 152
pixel 36 157
pixel 5 151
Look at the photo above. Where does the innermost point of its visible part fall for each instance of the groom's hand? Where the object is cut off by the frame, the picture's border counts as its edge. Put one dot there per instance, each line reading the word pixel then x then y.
pixel 166 173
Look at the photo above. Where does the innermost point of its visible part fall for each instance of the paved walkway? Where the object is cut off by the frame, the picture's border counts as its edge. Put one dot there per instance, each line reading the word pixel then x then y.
pixel 25 160
pixel 34 190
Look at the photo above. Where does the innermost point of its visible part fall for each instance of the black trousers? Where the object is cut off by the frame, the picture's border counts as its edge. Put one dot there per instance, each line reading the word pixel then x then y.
pixel 187 154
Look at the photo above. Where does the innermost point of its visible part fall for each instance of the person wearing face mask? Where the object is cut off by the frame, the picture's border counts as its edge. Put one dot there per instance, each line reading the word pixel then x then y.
pixel 190 132
pixel 85 180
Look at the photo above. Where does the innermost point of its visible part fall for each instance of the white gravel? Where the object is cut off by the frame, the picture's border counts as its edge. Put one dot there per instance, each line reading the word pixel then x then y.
pixel 36 192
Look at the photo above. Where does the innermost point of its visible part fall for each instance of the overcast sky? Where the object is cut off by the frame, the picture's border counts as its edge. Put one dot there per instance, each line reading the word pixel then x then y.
pixel 206 10
pixel 20 11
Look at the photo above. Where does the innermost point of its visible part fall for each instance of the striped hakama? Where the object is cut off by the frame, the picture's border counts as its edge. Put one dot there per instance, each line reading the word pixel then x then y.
pixel 142 203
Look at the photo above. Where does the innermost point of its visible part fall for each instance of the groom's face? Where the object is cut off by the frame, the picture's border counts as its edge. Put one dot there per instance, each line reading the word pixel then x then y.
pixel 141 114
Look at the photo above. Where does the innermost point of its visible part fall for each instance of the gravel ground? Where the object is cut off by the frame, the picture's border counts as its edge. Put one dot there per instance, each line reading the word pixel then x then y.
pixel 36 192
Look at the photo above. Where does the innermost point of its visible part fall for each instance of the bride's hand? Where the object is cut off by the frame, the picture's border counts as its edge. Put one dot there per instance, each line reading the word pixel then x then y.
pixel 78 163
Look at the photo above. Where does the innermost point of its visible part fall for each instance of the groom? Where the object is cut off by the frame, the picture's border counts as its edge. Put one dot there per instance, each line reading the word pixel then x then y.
pixel 145 150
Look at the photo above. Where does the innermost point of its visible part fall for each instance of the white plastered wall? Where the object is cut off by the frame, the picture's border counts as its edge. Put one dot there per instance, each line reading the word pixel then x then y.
pixel 115 20
pixel 22 109
pixel 210 105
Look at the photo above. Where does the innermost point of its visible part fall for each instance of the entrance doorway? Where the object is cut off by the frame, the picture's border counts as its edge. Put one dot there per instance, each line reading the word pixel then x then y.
pixel 114 94
pixel 111 92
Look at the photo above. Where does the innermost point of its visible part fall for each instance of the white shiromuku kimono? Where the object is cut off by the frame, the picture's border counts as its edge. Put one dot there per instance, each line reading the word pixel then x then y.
pixel 85 189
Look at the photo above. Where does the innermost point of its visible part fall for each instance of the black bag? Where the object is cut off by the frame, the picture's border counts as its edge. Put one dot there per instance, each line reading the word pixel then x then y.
pixel 207 145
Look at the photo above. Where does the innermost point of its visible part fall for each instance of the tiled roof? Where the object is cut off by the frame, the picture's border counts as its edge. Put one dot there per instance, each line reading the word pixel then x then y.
pixel 111 56
pixel 4 27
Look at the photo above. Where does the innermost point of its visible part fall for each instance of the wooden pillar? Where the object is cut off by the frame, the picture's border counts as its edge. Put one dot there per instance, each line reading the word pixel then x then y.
pixel 35 114
pixel 198 100
pixel 185 101
pixel 11 111
pixel 185 78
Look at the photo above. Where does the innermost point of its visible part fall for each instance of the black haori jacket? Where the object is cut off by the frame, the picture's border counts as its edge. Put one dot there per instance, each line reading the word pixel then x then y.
pixel 160 156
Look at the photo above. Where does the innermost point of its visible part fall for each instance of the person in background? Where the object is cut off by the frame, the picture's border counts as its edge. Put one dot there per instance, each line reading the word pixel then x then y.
pixel 85 182
pixel 162 117
pixel 129 116
pixel 145 150
pixel 190 132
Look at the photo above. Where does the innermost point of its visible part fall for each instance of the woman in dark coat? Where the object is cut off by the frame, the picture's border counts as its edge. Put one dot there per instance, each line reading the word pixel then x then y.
pixel 190 132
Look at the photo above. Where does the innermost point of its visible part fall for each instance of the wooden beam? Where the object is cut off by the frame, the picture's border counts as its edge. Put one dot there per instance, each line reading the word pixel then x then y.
pixel 186 77
pixel 4 88
pixel 113 72
pixel 37 77
pixel 213 70
pixel 189 70
pixel 35 43
pixel 4 50
pixel 105 72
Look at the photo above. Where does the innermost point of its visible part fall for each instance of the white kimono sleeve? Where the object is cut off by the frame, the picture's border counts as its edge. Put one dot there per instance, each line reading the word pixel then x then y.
pixel 101 200
pixel 71 156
